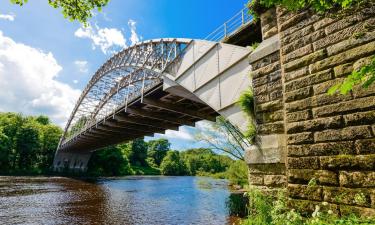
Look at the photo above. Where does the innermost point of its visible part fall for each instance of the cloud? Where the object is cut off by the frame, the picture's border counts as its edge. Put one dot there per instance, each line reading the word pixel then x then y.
pixel 28 82
pixel 134 36
pixel 107 39
pixel 82 66
pixel 75 81
pixel 9 17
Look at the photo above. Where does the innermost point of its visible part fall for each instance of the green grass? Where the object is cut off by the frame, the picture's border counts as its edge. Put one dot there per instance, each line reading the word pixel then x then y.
pixel 141 170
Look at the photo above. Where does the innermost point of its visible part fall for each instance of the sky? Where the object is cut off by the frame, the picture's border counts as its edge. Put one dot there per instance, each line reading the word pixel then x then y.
pixel 47 60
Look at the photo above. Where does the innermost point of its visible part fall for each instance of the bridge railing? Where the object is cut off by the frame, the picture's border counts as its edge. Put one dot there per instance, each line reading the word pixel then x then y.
pixel 242 18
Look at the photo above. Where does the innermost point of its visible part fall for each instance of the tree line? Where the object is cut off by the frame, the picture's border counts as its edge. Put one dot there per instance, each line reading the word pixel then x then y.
pixel 27 143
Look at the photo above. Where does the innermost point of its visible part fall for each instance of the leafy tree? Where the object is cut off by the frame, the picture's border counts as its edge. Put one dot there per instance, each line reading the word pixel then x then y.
pixel 80 10
pixel 50 137
pixel 5 152
pixel 109 162
pixel 172 164
pixel 136 152
pixel 28 145
pixel 43 120
pixel 157 150
pixel 237 173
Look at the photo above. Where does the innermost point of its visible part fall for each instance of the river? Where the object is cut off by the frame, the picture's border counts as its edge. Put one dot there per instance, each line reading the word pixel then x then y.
pixel 144 200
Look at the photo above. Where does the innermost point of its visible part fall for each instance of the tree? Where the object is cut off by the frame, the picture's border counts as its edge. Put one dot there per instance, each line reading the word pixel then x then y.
pixel 172 164
pixel 157 150
pixel 136 152
pixel 27 145
pixel 4 152
pixel 80 10
pixel 109 162
pixel 50 137
pixel 224 137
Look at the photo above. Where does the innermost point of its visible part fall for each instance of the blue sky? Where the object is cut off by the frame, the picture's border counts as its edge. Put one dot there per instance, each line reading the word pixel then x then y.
pixel 46 60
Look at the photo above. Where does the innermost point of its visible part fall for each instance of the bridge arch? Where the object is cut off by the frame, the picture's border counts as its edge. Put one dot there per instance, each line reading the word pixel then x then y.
pixel 153 86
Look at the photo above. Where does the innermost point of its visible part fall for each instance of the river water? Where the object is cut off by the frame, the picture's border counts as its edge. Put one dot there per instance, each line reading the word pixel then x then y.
pixel 129 200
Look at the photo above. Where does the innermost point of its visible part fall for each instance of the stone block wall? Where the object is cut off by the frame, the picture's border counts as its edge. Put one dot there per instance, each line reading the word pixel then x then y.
pixel 267 163
pixel 329 139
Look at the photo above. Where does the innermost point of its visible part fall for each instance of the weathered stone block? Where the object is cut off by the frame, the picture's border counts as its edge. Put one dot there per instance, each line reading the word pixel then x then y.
pixel 269 106
pixel 303 176
pixel 325 99
pixel 261 98
pixel 322 88
pixel 360 211
pixel 362 104
pixel 300 105
pixel 361 162
pixel 343 69
pixel 268 169
pixel 316 124
pixel 299 43
pixel 298 116
pixel 306 207
pixel 348 133
pixel 366 146
pixel 305 60
pixel 305 192
pixel 347 196
pixel 298 94
pixel 308 49
pixel 309 80
pixel 277 94
pixel 322 149
pixel 360 118
pixel 340 36
pixel 293 20
pixel 275 180
pixel 266 70
pixel 260 81
pixel 344 57
pixel 260 90
pixel 298 34
pixel 357 178
pixel 303 162
pixel 350 43
pixel 271 128
pixel 323 23
pixel 301 138
pixel 304 71
pixel 256 179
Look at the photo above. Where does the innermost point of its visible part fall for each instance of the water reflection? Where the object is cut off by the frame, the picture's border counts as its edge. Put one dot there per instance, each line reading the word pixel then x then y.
pixel 130 200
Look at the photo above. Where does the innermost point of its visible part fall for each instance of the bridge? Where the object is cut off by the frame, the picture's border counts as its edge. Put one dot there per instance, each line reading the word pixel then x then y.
pixel 154 86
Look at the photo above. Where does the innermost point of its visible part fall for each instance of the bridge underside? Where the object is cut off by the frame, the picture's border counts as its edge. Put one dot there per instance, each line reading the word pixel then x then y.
pixel 157 112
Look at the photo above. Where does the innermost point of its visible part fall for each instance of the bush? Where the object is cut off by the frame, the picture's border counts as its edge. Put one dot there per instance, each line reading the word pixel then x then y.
pixel 237 173
pixel 264 210
pixel 173 165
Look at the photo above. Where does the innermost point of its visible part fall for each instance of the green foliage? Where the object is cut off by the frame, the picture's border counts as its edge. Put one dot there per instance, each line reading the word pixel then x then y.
pixel 27 144
pixel 204 161
pixel 136 152
pixel 237 173
pixel 80 10
pixel 246 102
pixel 157 150
pixel 172 164
pixel 264 210
pixel 109 162
pixel 364 76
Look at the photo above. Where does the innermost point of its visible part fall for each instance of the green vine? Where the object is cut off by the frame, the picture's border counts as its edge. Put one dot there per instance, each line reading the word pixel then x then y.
pixel 365 76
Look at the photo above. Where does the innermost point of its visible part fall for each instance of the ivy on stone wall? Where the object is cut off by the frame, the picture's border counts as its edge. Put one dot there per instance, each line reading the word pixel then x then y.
pixel 365 76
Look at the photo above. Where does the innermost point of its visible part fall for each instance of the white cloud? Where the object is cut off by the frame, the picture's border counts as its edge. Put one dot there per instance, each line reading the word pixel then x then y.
pixel 82 66
pixel 75 81
pixel 9 17
pixel 134 36
pixel 28 82
pixel 107 39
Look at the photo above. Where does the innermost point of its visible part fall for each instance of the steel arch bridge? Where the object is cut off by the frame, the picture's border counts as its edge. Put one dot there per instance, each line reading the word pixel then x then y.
pixel 150 87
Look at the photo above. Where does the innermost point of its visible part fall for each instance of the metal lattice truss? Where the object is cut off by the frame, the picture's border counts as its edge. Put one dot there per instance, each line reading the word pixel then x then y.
pixel 125 76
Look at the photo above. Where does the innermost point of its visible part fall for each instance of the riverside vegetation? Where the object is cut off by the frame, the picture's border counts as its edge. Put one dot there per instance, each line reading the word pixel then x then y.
pixel 28 145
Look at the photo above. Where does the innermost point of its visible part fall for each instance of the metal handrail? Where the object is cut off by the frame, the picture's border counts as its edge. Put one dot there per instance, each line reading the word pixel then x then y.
pixel 242 18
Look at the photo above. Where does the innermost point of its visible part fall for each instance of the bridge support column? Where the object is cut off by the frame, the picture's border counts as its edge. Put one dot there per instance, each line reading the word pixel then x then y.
pixel 71 162
pixel 266 160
